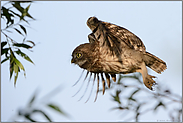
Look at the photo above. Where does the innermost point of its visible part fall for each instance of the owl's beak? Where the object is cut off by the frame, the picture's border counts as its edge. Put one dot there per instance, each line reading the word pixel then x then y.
pixel 72 61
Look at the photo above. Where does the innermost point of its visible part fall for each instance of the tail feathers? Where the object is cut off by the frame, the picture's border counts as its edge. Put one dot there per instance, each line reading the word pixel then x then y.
pixel 154 63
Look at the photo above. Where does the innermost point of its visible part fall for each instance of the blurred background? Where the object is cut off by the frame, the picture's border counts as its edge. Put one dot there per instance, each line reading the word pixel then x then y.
pixel 59 27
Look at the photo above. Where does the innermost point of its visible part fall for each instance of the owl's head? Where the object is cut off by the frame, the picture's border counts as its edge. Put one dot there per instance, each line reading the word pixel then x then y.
pixel 82 56
pixel 92 23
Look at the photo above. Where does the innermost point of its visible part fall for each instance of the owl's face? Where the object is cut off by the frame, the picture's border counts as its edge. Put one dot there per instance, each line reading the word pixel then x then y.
pixel 80 55
pixel 92 23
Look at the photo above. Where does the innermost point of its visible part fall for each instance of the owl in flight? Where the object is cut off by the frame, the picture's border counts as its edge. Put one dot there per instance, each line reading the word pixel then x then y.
pixel 115 50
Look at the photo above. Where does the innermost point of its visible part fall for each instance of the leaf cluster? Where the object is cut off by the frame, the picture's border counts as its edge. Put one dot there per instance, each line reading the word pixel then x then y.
pixel 128 98
pixel 10 47
pixel 34 107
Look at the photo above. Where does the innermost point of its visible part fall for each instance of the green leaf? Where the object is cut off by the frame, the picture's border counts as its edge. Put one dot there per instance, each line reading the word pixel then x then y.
pixel 19 64
pixel 32 99
pixel 11 70
pixel 137 116
pixel 18 6
pixel 19 52
pixel 3 44
pixel 27 14
pixel 56 108
pixel 27 9
pixel 23 28
pixel 5 50
pixel 116 97
pixel 130 98
pixel 29 118
pixel 21 18
pixel 14 13
pixel 158 105
pixel 18 31
pixel 5 12
pixel 22 45
pixel 36 110
pixel 31 42
pixel 11 63
pixel 134 92
pixel 16 73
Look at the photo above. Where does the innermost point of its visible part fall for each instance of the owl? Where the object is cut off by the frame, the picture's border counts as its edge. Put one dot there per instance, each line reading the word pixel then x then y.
pixel 115 50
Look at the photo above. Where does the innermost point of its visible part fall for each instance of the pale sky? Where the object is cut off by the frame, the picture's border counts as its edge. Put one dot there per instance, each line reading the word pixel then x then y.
pixel 61 26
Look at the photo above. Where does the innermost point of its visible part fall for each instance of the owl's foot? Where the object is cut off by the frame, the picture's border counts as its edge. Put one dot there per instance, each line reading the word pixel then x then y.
pixel 149 82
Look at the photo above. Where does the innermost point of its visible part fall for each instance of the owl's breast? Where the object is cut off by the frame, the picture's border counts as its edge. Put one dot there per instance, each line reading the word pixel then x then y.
pixel 126 62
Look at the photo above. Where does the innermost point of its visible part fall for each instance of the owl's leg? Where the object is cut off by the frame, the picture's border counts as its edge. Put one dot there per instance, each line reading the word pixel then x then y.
pixel 92 87
pixel 103 83
pixel 147 79
pixel 113 77
pixel 81 85
pixel 108 79
pixel 86 87
pixel 97 87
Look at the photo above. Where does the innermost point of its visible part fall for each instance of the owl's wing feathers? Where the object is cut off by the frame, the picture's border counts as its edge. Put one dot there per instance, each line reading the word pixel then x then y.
pixel 104 31
pixel 106 39
pixel 91 38
pixel 125 35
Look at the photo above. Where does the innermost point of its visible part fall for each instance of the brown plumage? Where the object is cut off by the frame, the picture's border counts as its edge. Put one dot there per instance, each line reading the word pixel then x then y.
pixel 115 50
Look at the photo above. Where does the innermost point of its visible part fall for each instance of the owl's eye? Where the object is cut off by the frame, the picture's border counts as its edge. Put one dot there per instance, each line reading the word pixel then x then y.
pixel 78 55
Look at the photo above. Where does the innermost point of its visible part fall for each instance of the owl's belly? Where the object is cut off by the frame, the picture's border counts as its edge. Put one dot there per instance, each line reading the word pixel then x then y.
pixel 113 67
pixel 118 67
pixel 128 62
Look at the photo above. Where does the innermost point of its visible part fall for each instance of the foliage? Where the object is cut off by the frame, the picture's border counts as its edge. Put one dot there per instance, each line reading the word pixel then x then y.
pixel 15 15
pixel 139 105
pixel 34 107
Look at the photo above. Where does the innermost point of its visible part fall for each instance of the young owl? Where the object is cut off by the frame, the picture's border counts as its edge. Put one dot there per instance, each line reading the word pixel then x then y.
pixel 115 50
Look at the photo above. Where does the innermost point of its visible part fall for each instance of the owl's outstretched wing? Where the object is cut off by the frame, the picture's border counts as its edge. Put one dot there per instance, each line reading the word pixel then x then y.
pixel 91 38
pixel 113 35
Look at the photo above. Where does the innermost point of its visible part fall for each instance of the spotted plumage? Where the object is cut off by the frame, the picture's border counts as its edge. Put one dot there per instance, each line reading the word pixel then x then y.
pixel 115 50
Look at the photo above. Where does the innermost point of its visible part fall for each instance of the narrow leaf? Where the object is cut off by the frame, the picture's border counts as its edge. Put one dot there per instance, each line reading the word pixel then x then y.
pixel 18 7
pixel 29 118
pixel 116 97
pixel 19 64
pixel 130 98
pixel 5 50
pixel 19 52
pixel 134 92
pixel 16 73
pixel 56 108
pixel 28 15
pixel 3 44
pixel 14 13
pixel 11 63
pixel 43 114
pixel 18 31
pixel 23 28
pixel 22 45
pixel 32 99
pixel 31 42
pixel 159 104
pixel 27 9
